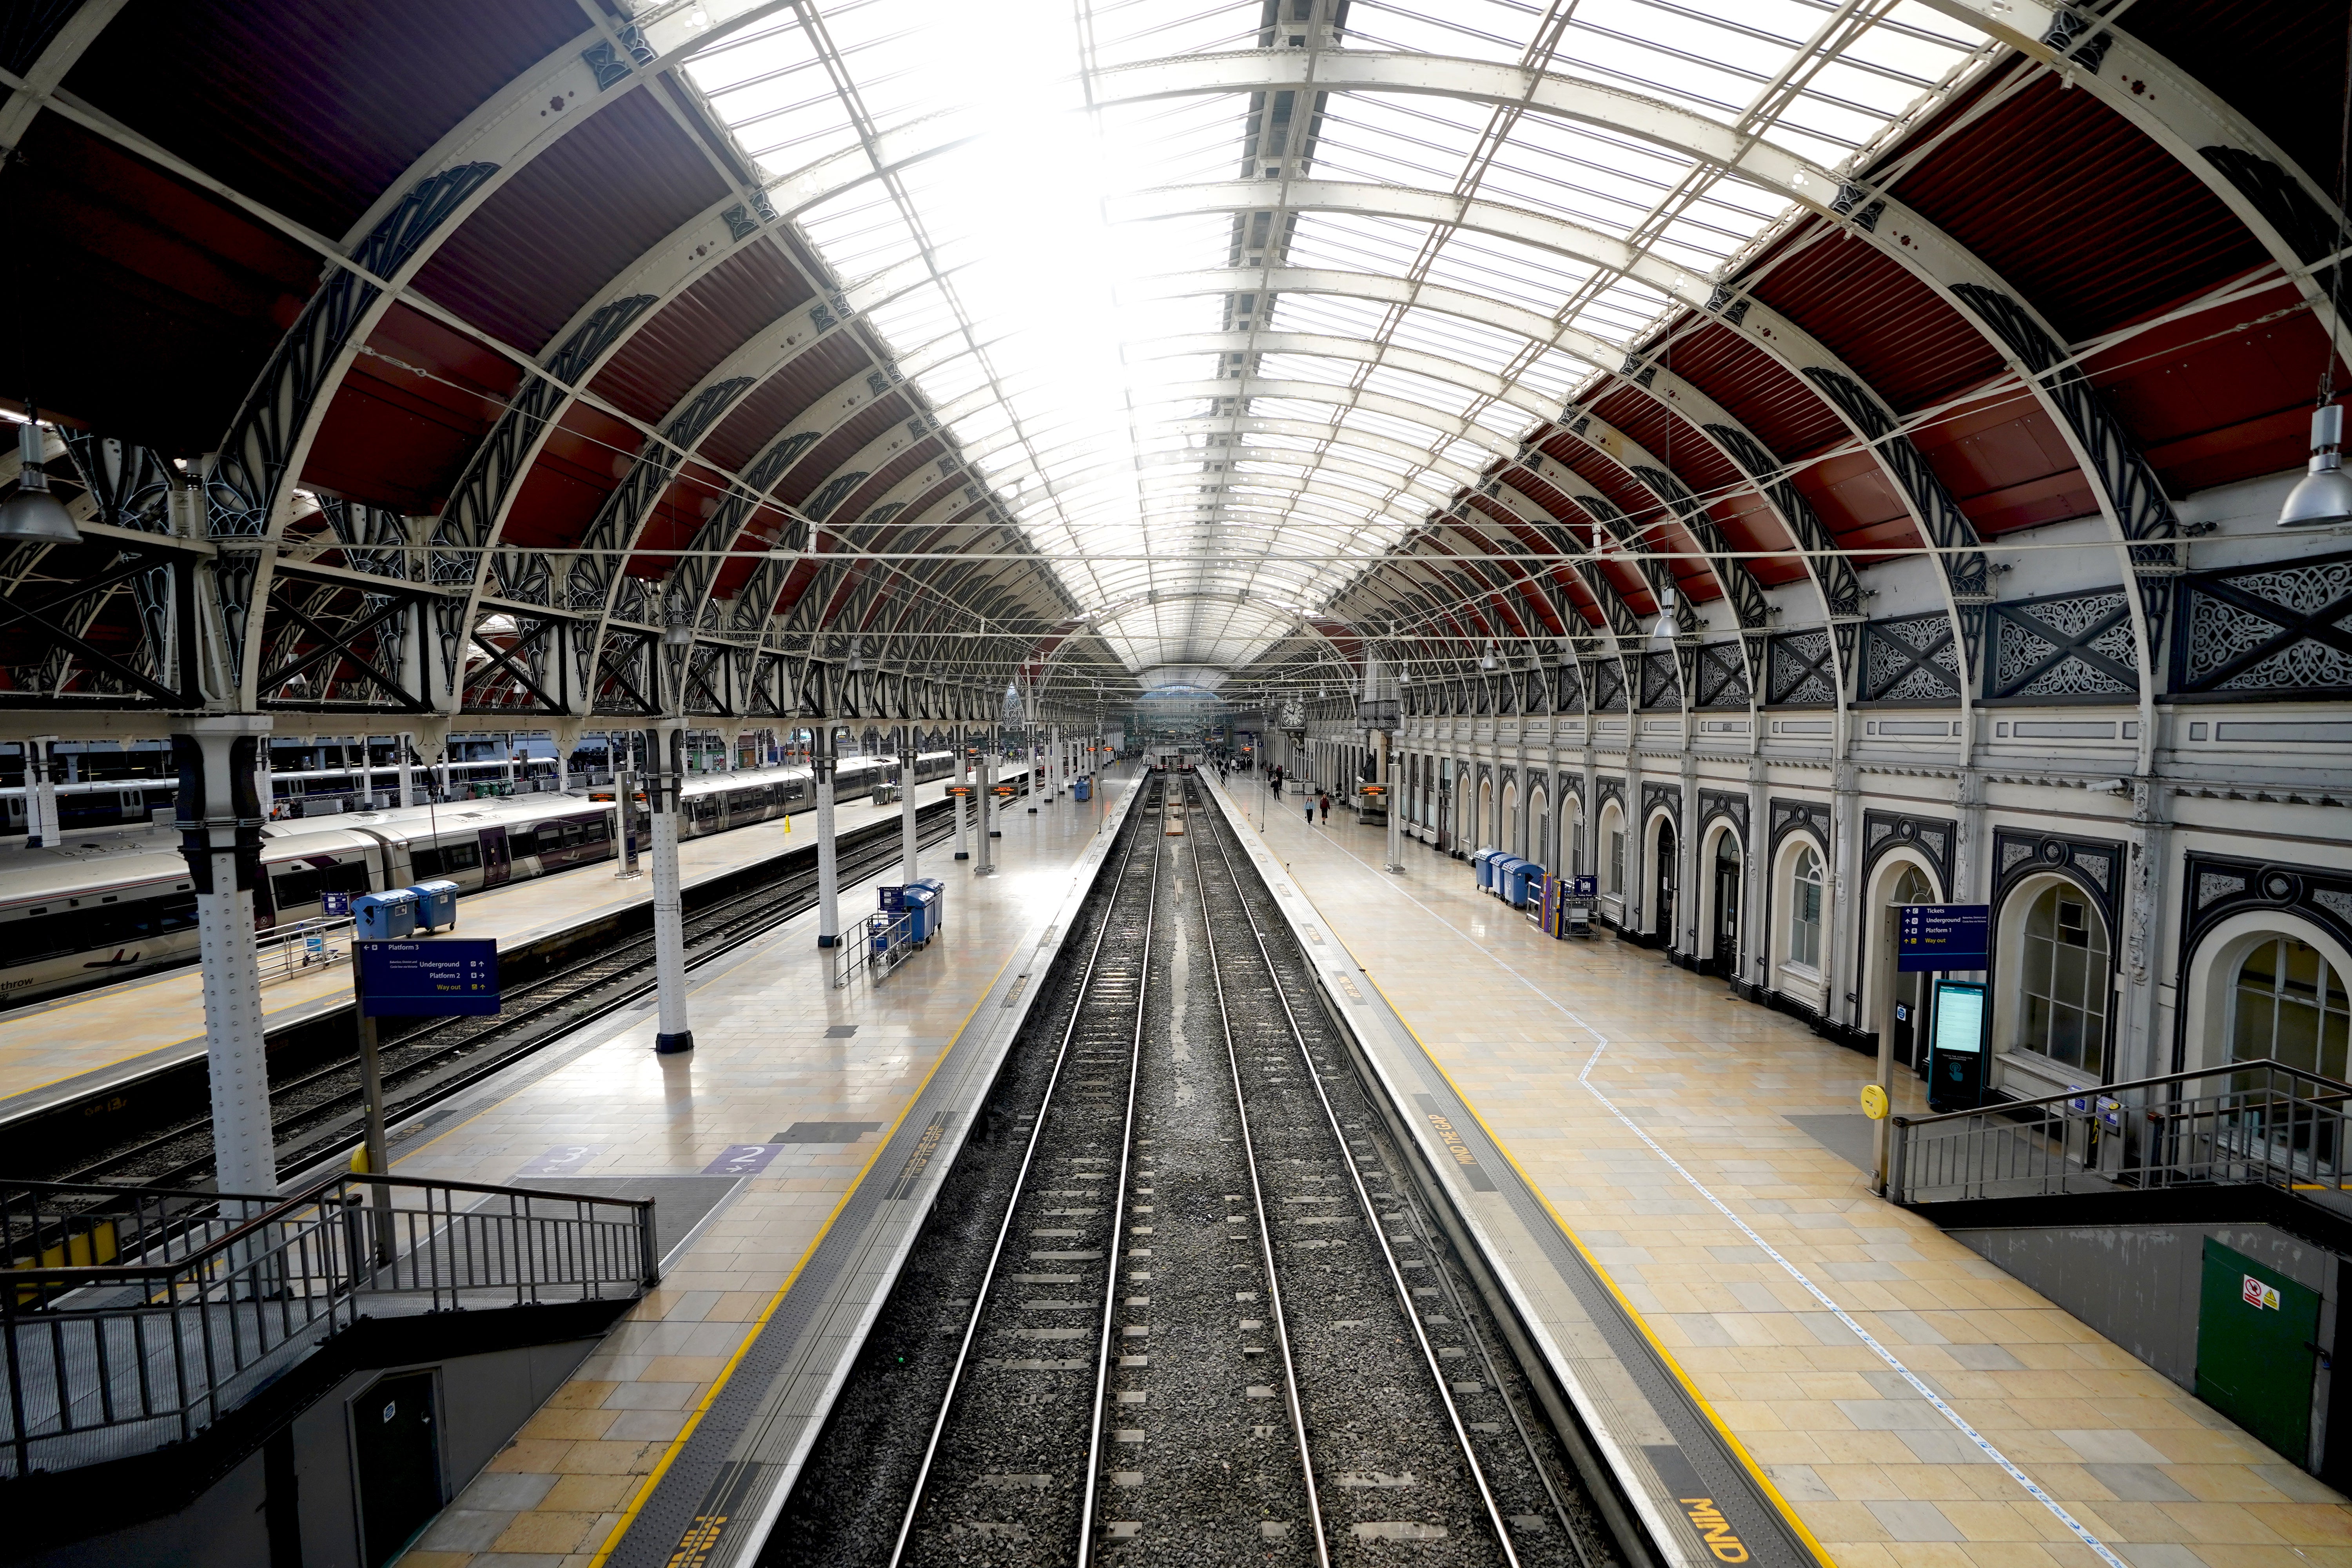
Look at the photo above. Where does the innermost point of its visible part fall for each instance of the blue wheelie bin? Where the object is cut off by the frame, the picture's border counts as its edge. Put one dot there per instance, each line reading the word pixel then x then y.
pixel 384 917
pixel 922 914
pixel 1483 863
pixel 1526 882
pixel 1506 864
pixel 436 905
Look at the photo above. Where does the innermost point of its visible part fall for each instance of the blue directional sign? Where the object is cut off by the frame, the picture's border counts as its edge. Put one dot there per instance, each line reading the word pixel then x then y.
pixel 449 977
pixel 1584 887
pixel 1943 936
pixel 336 905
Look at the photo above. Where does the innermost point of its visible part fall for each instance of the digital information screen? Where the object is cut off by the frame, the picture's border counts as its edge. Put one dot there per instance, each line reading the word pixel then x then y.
pixel 450 977
pixel 1960 1017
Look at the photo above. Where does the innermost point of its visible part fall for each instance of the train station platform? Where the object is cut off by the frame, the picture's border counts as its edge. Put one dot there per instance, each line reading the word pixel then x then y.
pixel 55 1052
pixel 760 1142
pixel 1900 1400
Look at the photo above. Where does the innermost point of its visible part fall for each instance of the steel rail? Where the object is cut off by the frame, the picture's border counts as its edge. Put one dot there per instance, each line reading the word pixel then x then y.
pixel 1118 1210
pixel 1264 1228
pixel 1020 1185
pixel 1372 1219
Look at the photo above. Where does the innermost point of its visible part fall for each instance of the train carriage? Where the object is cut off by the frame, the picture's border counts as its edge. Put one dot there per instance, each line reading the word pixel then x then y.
pixel 108 903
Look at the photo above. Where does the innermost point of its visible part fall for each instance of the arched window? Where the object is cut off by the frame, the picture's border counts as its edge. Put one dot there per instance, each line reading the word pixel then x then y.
pixel 2291 1005
pixel 2066 990
pixel 1612 839
pixel 1805 909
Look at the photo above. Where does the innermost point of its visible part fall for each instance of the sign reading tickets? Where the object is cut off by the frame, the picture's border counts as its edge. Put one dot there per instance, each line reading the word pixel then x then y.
pixel 1943 936
pixel 449 977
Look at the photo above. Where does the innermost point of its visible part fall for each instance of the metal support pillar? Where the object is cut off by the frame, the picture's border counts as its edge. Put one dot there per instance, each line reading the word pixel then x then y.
pixel 963 802
pixel 1394 797
pixel 828 861
pixel 41 824
pixel 908 845
pixel 667 744
pixel 404 760
pixel 220 817
pixel 987 865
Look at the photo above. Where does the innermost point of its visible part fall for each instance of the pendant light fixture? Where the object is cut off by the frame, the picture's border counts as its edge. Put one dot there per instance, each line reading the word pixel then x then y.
pixel 32 513
pixel 2324 495
pixel 1667 629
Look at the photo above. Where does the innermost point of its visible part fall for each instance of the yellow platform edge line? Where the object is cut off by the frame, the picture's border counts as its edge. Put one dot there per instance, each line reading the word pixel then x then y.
pixel 1738 1449
pixel 643 1493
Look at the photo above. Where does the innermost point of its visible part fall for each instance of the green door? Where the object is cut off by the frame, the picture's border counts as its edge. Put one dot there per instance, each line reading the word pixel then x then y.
pixel 2255 1357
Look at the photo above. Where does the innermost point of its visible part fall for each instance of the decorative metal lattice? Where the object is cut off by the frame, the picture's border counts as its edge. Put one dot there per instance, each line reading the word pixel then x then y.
pixel 1608 687
pixel 2072 646
pixel 1722 675
pixel 1800 673
pixel 1912 660
pixel 1661 681
pixel 2274 630
pixel 1569 695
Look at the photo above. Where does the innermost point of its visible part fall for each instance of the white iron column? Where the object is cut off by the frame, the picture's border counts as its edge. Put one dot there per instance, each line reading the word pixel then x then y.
pixel 403 753
pixel 963 802
pixel 909 849
pixel 987 805
pixel 1394 797
pixel 41 824
pixel 667 747
pixel 828 864
pixel 220 816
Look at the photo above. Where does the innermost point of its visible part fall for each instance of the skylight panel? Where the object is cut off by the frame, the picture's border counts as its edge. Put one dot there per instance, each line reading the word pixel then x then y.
pixel 1487 348
pixel 1302 367
pixel 1487 32
pixel 1418 388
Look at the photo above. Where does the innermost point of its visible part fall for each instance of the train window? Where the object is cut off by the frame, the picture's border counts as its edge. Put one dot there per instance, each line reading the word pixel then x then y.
pixel 425 861
pixel 304 885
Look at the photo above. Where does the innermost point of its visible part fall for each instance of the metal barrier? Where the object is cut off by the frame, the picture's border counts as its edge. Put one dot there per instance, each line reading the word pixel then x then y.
pixel 2262 1123
pixel 884 942
pixel 305 945
pixel 134 1317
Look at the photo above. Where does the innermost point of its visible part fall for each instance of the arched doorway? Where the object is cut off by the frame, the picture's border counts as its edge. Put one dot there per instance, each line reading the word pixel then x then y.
pixel 1665 880
pixel 1724 868
pixel 1540 828
pixel 1898 1012
pixel 1507 828
pixel 1481 826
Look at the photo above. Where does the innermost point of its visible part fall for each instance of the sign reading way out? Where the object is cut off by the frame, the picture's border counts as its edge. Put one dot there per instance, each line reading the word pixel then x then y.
pixel 444 978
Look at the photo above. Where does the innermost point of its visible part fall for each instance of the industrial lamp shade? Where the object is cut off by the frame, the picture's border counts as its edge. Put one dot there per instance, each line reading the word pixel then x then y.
pixel 2325 494
pixel 32 513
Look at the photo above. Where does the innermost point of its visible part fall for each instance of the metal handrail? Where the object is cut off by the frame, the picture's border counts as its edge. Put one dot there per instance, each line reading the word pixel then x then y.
pixel 208 1297
pixel 2273 1125
pixel 879 948
pixel 290 950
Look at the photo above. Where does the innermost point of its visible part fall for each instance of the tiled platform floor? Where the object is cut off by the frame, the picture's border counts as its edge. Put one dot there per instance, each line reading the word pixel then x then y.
pixel 47 1046
pixel 773 1046
pixel 1650 1109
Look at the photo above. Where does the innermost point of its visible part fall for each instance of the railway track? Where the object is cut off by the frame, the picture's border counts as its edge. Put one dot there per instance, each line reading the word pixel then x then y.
pixel 1185 1303
pixel 315 1106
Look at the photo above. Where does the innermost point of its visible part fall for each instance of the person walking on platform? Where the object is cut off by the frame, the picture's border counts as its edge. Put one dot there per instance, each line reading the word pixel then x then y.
pixel 1310 811
pixel 1326 804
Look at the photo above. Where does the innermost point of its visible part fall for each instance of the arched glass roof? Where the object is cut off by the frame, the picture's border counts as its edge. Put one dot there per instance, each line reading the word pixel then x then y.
pixel 1225 300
